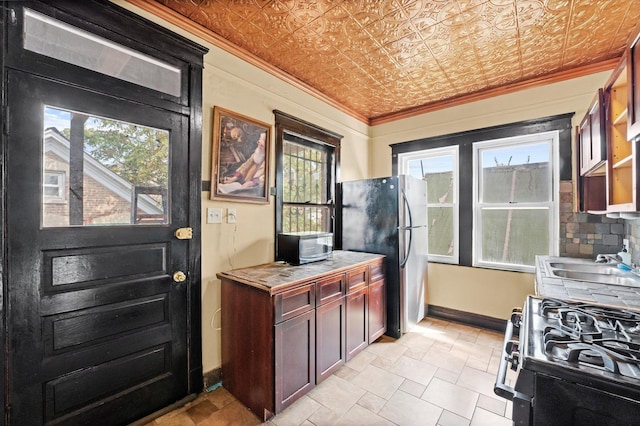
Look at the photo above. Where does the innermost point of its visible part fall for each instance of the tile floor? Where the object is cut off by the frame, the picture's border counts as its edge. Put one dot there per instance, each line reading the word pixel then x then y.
pixel 441 373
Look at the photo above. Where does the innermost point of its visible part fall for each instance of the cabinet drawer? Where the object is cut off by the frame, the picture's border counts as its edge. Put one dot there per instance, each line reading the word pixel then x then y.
pixel 376 271
pixel 291 303
pixel 356 279
pixel 330 289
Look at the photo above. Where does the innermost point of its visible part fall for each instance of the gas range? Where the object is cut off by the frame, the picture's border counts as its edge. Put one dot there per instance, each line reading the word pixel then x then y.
pixel 577 363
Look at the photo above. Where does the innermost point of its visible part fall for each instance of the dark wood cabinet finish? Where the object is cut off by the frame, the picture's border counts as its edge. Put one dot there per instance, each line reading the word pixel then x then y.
pixel 593 152
pixel 377 301
pixel 633 81
pixel 330 289
pixel 357 321
pixel 356 279
pixel 377 309
pixel 247 346
pixel 591 188
pixel 292 303
pixel 279 341
pixel 295 346
pixel 330 338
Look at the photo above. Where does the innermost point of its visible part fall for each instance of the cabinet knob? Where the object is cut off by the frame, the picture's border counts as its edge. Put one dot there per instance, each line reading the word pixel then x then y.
pixel 179 277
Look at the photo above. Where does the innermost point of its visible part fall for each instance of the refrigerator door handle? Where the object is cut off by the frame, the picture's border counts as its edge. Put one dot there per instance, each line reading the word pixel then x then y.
pixel 407 228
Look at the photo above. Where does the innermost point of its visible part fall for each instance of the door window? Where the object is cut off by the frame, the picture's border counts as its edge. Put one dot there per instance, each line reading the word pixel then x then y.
pixel 58 40
pixel 117 172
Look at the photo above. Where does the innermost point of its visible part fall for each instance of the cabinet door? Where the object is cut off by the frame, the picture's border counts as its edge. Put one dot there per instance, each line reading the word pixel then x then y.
pixel 330 338
pixel 593 151
pixel 633 77
pixel 377 310
pixel 620 152
pixel 585 144
pixel 295 359
pixel 357 321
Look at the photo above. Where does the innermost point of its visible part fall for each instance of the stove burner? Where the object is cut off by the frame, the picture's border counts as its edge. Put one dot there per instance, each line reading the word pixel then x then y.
pixel 597 336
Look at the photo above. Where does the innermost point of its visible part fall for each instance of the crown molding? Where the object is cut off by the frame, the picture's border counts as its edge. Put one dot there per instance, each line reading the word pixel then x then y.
pixel 174 18
pixel 498 91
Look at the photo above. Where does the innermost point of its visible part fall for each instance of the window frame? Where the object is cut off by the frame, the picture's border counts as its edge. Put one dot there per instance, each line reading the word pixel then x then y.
pixel 465 140
pixel 311 134
pixel 453 151
pixel 62 182
pixel 552 205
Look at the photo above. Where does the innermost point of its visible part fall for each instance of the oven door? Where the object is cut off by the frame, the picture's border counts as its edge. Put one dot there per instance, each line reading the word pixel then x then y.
pixel 511 358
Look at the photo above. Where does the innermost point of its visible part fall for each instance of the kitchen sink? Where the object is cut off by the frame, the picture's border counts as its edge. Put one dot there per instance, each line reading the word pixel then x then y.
pixel 622 278
pixel 602 273
pixel 596 268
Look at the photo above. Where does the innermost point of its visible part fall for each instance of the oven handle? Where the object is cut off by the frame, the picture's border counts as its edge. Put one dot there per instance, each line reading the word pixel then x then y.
pixel 501 388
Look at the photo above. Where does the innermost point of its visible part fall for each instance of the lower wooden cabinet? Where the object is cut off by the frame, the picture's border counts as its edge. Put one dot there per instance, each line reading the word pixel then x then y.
pixel 295 342
pixel 330 338
pixel 357 322
pixel 377 309
pixel 278 343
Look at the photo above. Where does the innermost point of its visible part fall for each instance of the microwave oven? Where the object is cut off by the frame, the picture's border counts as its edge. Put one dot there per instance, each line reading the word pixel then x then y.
pixel 298 248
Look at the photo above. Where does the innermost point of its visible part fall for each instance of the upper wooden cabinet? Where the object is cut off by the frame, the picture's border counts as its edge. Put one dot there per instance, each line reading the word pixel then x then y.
pixel 633 77
pixel 621 158
pixel 593 151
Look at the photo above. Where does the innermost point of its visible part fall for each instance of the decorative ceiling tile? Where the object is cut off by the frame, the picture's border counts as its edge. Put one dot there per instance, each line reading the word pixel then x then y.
pixel 378 57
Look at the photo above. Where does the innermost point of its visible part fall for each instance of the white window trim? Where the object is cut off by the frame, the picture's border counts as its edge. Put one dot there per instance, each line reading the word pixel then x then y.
pixel 61 187
pixel 452 150
pixel 553 204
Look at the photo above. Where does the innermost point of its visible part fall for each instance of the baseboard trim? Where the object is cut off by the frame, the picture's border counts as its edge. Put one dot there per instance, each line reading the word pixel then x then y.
pixel 468 318
pixel 212 377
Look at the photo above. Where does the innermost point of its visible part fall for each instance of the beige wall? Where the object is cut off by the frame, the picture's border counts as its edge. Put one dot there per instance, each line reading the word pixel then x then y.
pixel 482 291
pixel 238 86
pixel 233 84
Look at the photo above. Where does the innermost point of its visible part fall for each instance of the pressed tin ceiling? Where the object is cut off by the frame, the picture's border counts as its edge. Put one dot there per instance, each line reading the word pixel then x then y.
pixel 382 59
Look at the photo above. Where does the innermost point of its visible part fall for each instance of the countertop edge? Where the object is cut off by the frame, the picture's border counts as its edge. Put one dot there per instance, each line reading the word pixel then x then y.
pixel 291 284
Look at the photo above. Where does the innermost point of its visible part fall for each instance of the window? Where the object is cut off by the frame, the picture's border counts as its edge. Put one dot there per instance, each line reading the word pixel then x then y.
pixel 492 228
pixel 439 167
pixel 53 186
pixel 516 211
pixel 307 190
pixel 306 174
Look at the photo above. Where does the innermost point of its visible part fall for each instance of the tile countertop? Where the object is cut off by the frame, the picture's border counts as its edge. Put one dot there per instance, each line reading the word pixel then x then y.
pixel 562 288
pixel 276 276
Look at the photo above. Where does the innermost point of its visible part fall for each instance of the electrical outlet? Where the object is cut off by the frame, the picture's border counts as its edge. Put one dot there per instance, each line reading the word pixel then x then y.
pixel 231 215
pixel 214 215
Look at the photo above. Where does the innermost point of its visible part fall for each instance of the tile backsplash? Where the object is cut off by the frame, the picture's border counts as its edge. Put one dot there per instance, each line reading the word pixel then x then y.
pixel 587 235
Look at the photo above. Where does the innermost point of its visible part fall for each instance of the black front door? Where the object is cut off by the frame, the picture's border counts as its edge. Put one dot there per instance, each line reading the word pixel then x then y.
pixel 96 280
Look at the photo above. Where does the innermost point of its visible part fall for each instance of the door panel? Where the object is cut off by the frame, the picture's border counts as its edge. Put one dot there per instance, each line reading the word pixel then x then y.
pixel 96 325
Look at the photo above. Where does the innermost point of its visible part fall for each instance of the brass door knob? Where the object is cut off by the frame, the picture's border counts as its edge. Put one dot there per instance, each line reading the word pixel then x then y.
pixel 179 277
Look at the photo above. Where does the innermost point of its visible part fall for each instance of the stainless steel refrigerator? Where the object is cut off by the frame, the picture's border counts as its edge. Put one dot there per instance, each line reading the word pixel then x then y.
pixel 389 216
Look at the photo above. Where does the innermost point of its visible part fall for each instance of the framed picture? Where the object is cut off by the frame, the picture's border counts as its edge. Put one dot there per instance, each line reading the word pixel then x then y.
pixel 240 163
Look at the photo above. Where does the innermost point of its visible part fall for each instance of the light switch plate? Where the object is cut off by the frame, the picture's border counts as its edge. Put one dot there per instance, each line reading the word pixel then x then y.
pixel 231 215
pixel 214 215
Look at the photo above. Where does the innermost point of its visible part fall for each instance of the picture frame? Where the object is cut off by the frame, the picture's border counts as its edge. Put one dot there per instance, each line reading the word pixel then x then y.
pixel 240 158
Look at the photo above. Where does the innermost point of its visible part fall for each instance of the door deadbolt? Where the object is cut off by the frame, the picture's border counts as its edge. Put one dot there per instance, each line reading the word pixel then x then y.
pixel 179 277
